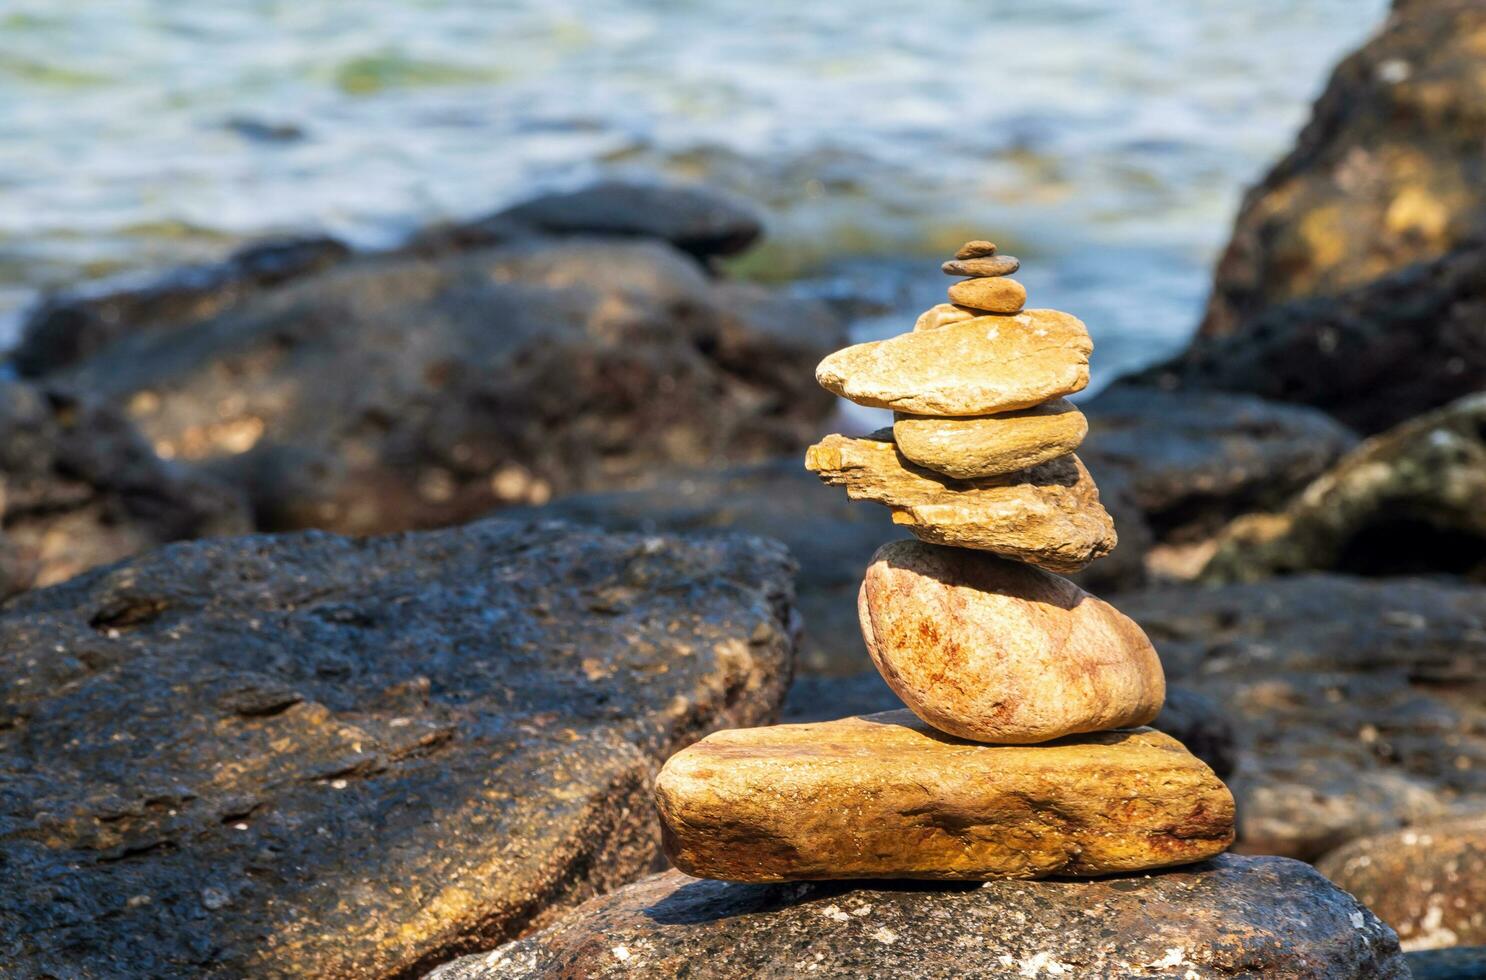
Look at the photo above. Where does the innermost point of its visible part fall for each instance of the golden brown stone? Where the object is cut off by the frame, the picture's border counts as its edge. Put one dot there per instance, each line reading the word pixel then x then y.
pixel 980 366
pixel 943 315
pixel 994 295
pixel 886 796
pixel 976 249
pixel 998 651
pixel 990 265
pixel 988 445
pixel 1048 515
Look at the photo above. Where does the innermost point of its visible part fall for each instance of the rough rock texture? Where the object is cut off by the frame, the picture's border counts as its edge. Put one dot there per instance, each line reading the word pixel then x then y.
pixel 1049 516
pixel 887 796
pixel 994 295
pixel 701 222
pixel 830 537
pixel 1427 882
pixel 997 651
pixel 1389 172
pixel 1357 702
pixel 1373 356
pixel 72 325
pixel 79 487
pixel 968 448
pixel 396 392
pixel 1191 461
pixel 328 757
pixel 1407 501
pixel 1230 917
pixel 974 367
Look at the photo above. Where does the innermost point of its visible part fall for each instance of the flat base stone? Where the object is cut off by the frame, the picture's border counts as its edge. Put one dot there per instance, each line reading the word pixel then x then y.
pixel 1230 917
pixel 887 796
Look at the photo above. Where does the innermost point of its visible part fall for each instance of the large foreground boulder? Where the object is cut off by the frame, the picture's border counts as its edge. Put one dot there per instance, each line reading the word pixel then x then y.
pixel 401 392
pixel 1408 501
pixel 327 757
pixel 1232 916
pixel 1390 171
pixel 1357 703
pixel 1427 882
pixel 80 487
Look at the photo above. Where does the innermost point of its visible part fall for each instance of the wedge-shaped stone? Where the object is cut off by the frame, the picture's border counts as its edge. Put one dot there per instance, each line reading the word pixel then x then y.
pixel 989 445
pixel 942 315
pixel 1049 515
pixel 979 366
pixel 997 651
pixel 887 796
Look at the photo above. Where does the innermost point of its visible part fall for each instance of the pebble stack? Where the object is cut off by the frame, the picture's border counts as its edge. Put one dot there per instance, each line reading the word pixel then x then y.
pixel 1023 754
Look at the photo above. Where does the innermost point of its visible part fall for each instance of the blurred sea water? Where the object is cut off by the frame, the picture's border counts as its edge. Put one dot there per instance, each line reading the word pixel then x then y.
pixel 1106 142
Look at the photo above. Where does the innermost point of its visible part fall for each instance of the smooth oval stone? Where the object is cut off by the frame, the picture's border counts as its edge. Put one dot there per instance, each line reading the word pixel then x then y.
pixel 997 651
pixel 995 295
pixel 943 315
pixel 981 366
pixel 991 265
pixel 989 445
pixel 1049 515
pixel 886 796
pixel 976 249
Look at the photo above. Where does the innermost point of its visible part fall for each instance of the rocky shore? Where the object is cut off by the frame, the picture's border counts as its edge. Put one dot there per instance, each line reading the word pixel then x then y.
pixel 353 601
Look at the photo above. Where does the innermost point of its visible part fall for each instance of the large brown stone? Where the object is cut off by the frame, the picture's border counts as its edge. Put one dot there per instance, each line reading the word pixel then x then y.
pixel 1049 516
pixel 887 796
pixel 1428 882
pixel 979 366
pixel 997 651
pixel 1229 917
pixel 994 295
pixel 968 448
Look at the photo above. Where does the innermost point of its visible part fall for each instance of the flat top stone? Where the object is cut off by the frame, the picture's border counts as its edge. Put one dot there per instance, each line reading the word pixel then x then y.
pixel 1229 917
pixel 974 367
pixel 889 796
pixel 976 249
pixel 321 756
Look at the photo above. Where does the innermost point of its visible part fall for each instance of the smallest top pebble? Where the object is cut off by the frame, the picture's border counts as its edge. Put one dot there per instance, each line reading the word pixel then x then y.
pixel 976 250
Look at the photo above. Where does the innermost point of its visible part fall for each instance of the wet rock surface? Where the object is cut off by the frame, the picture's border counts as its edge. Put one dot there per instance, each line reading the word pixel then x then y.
pixel 1428 882
pixel 400 392
pixel 1388 172
pixel 1231 916
pixel 1357 703
pixel 320 756
pixel 80 487
pixel 1407 501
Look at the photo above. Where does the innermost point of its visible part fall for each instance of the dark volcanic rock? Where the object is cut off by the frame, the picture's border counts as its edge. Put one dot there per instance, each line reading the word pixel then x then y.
pixel 70 326
pixel 80 487
pixel 1408 501
pixel 1427 882
pixel 700 222
pixel 1390 171
pixel 1374 356
pixel 1228 917
pixel 831 537
pixel 399 392
pixel 327 757
pixel 1357 703
pixel 1191 461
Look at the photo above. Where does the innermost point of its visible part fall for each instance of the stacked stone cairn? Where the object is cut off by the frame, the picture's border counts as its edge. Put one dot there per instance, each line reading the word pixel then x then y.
pixel 1023 755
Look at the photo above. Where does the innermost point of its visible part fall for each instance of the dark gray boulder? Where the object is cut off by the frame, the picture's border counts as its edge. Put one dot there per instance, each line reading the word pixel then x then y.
pixel 318 756
pixel 399 392
pixel 80 487
pixel 1357 704
pixel 1233 916
pixel 74 324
